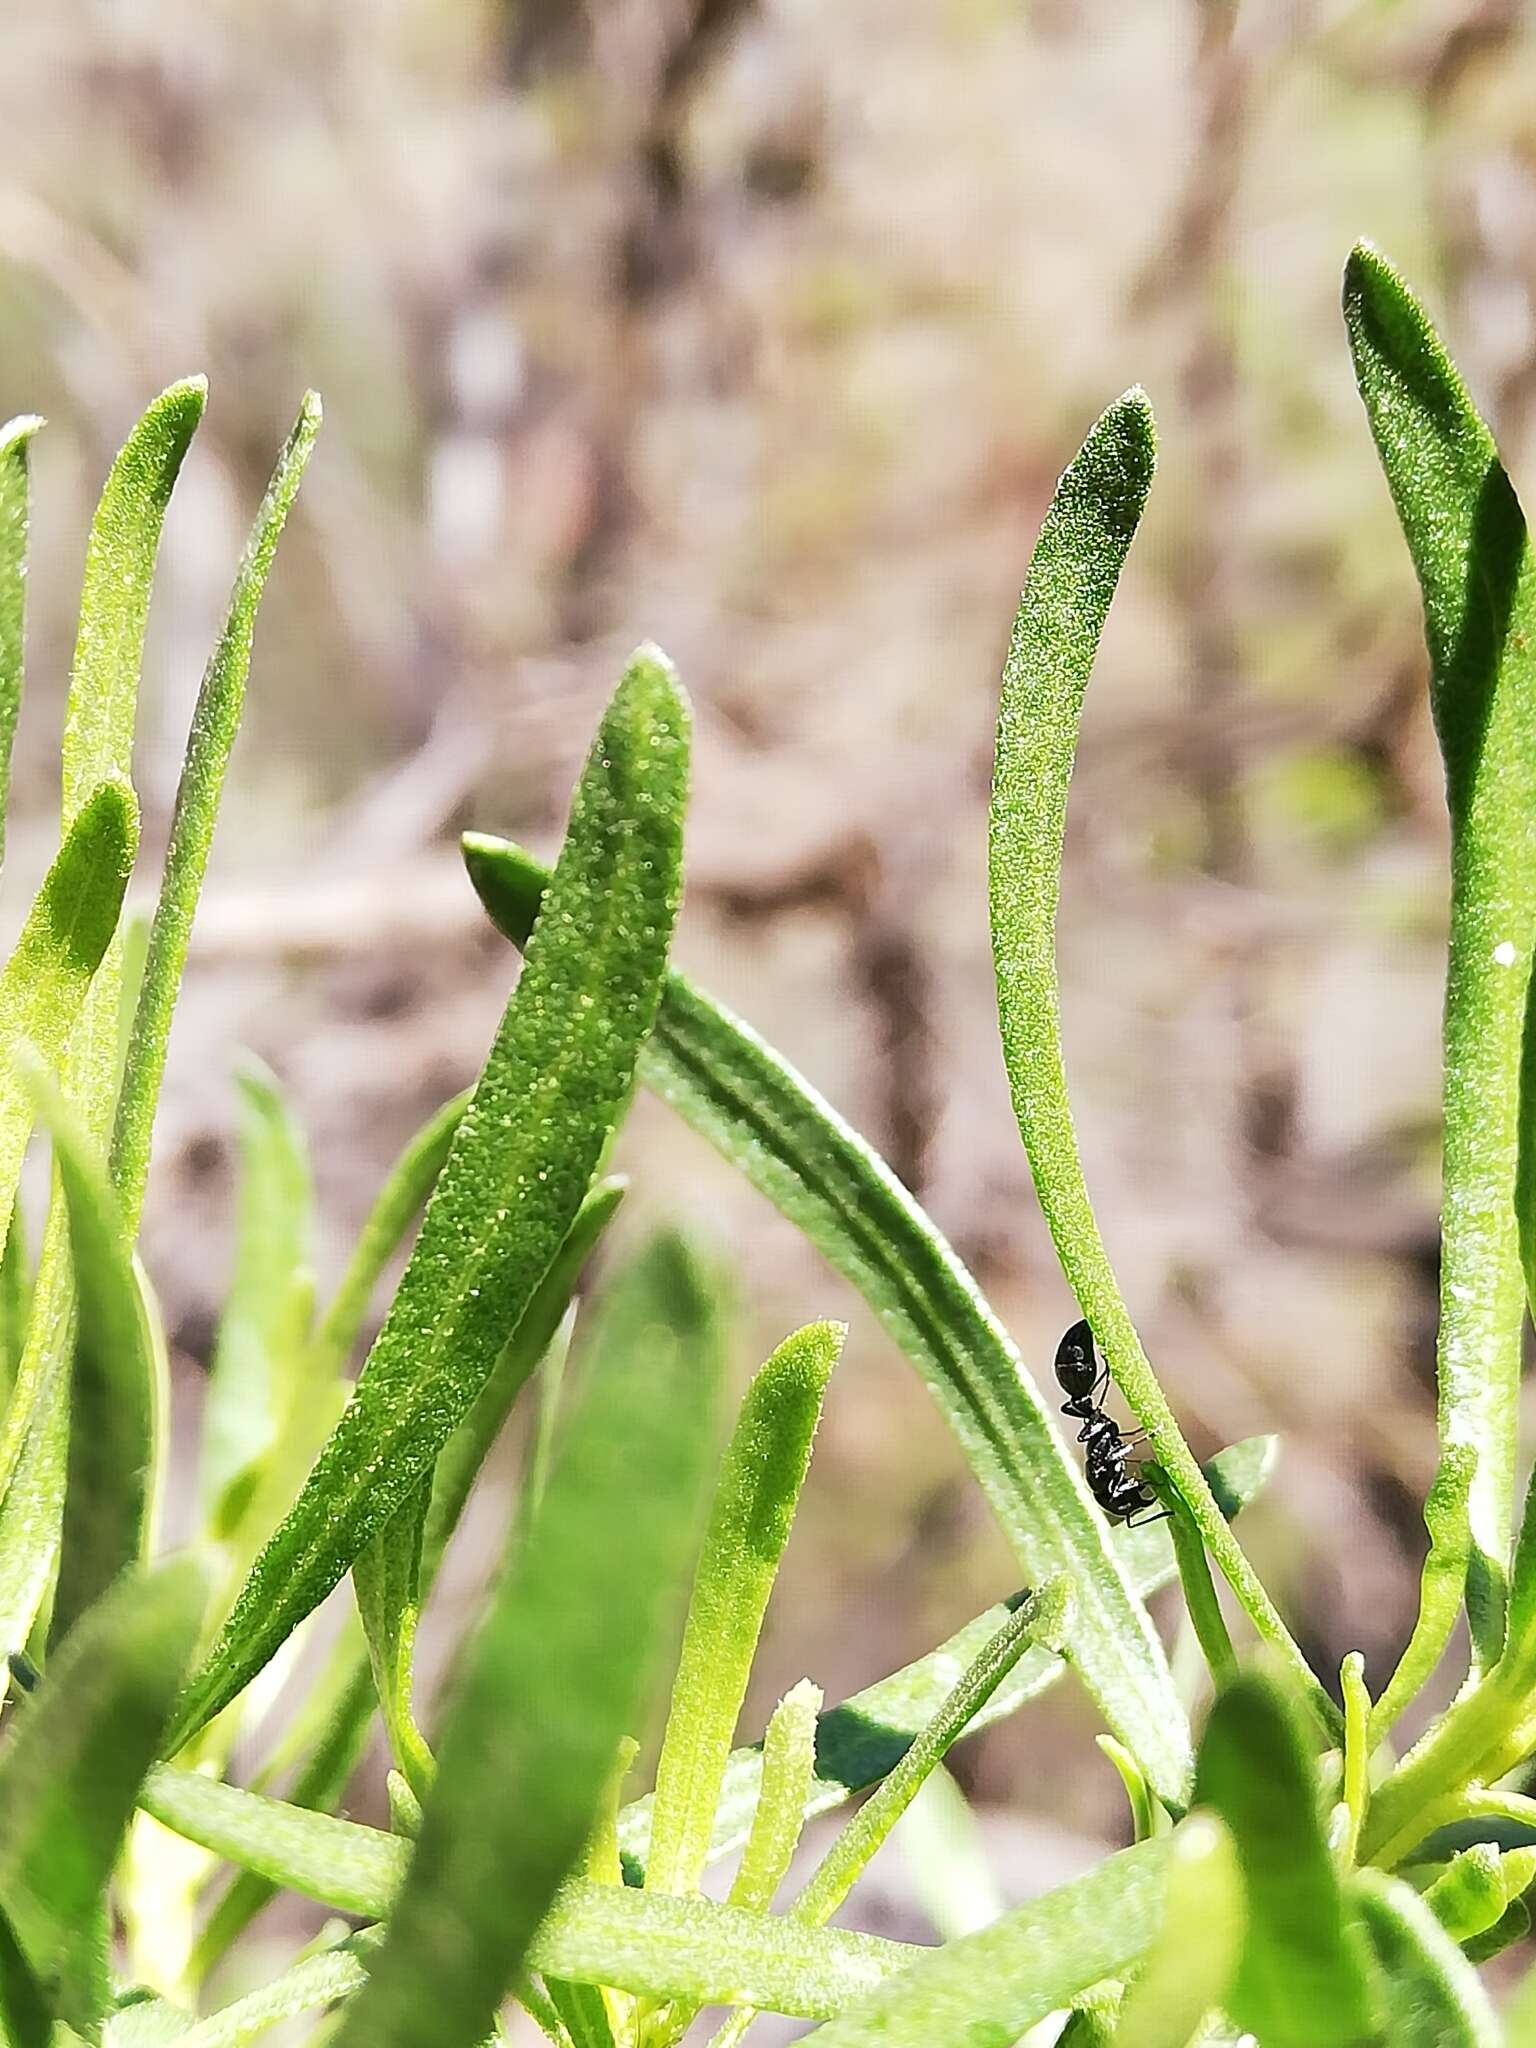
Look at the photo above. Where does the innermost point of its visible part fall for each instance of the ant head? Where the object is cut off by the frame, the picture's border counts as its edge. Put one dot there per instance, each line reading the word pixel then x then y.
pixel 1077 1365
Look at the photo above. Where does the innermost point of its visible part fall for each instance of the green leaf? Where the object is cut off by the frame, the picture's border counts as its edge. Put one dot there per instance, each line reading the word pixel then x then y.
pixel 1441 1586
pixel 68 928
pixel 795 1149
pixel 643 1942
pixel 327 1770
pixel 1468 541
pixel 215 722
pixel 560 1668
pixel 754 1505
pixel 1190 1965
pixel 15 440
pixel 114 598
pixel 789 1766
pixel 866 1736
pixel 113 1429
pixel 987 1988
pixel 1428 1992
pixel 315 1981
pixel 386 1578
pixel 1300 1982
pixel 259 1376
pixel 1469 1894
pixel 1045 1618
pixel 555 1083
pixel 466 1450
pixel 1072 576
pixel 72 1768
pixel 319 1787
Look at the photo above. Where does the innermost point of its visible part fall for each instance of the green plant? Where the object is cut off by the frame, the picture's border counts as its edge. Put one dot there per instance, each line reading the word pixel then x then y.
pixel 1319 1893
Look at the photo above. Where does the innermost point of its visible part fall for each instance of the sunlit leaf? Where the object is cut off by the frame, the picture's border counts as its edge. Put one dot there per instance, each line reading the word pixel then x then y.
pixel 555 1082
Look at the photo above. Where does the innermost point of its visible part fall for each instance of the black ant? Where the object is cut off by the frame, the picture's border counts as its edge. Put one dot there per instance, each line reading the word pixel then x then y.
pixel 1114 1483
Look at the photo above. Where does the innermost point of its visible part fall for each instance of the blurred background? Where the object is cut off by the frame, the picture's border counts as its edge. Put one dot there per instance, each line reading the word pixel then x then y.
pixel 763 328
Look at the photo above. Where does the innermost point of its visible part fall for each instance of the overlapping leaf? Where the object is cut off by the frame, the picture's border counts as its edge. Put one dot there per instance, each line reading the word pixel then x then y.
pixel 556 1080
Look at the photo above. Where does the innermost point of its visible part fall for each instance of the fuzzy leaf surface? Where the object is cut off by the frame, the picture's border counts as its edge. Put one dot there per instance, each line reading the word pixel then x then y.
pixel 215 722
pixel 560 1669
pixel 1073 574
pixel 648 1943
pixel 554 1085
pixel 1467 536
pixel 987 1988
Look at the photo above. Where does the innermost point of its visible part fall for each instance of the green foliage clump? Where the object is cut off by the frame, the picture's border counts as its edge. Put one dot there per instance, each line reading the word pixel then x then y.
pixel 1291 1882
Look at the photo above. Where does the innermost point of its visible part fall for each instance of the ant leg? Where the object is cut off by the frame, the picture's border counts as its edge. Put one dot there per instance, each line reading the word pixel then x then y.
pixel 1131 1522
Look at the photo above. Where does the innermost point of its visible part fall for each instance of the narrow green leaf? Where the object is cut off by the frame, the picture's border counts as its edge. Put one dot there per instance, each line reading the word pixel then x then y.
pixel 1191 1963
pixel 754 1505
pixel 1441 1586
pixel 215 722
pixel 386 1579
pixel 257 1376
pixel 1072 577
pixel 1468 541
pixel 1046 1619
pixel 410 1181
pixel 1300 1982
pixel 326 1772
pixel 15 440
pixel 866 1736
pixel 1357 1755
pixel 553 1087
pixel 1139 1794
pixel 1204 1608
pixel 789 1766
pixel 560 1668
pixel 987 1988
pixel 114 598
pixel 1469 1894
pixel 1428 1992
pixel 316 1981
pixel 795 1149
pixel 1487 1730
pixel 1093 2018
pixel 645 1942
pixel 72 1768
pixel 68 928
pixel 112 1396
pixel 319 1787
